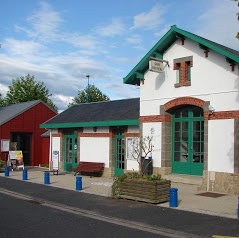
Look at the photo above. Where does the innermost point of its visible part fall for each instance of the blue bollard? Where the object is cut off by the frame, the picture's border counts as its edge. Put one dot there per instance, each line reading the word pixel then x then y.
pixel 173 198
pixel 6 171
pixel 78 183
pixel 24 174
pixel 46 177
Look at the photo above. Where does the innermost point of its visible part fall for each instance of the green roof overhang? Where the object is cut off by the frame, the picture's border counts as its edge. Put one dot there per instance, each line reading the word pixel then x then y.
pixel 91 124
pixel 137 73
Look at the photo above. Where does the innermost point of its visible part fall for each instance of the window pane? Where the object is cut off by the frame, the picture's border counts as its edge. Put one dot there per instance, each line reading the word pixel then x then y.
pixel 177 156
pixel 177 114
pixel 185 135
pixel 184 147
pixel 185 113
pixel 196 125
pixel 184 157
pixel 177 126
pixel 177 135
pixel 177 146
pixel 184 126
pixel 197 112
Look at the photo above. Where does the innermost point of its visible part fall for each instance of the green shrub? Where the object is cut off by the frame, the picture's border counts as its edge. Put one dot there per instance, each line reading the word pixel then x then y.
pixel 2 163
pixel 118 181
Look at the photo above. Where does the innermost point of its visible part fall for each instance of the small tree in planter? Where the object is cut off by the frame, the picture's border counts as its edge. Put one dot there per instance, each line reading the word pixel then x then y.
pixel 141 149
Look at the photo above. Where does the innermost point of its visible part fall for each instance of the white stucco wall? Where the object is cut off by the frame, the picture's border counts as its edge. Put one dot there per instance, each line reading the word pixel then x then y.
pixel 95 149
pixel 157 127
pixel 221 146
pixel 98 129
pixel 132 165
pixel 211 80
pixel 133 129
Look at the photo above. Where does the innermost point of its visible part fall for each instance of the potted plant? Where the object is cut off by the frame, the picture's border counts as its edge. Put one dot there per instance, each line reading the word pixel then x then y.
pixel 141 186
pixel 144 188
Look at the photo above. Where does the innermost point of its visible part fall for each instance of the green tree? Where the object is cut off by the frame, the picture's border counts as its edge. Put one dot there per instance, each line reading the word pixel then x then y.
pixel 2 103
pixel 25 89
pixel 90 94
pixel 237 36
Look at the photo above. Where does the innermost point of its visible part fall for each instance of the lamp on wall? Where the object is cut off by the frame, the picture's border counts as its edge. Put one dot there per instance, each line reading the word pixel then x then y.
pixel 211 109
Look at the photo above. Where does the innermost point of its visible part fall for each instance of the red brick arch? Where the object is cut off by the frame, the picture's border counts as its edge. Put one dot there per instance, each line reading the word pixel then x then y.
pixel 183 101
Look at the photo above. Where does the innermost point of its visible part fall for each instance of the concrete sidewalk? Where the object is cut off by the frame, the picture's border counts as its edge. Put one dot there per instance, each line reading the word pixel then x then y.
pixel 188 195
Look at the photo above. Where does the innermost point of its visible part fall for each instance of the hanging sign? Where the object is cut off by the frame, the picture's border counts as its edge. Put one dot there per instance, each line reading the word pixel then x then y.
pixel 156 66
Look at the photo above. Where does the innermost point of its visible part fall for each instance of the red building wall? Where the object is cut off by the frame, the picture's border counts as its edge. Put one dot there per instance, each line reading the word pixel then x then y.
pixel 29 121
pixel 45 149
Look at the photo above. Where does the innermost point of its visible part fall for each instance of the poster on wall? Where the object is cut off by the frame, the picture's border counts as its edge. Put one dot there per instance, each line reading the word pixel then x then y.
pixel 5 145
pixel 55 160
pixel 132 144
pixel 16 158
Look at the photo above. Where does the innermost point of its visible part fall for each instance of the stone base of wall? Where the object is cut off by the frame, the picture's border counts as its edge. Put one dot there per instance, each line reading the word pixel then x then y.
pixel 108 173
pixel 162 170
pixel 220 182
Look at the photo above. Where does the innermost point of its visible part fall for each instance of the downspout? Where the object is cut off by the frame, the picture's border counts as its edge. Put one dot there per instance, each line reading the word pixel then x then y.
pixel 50 152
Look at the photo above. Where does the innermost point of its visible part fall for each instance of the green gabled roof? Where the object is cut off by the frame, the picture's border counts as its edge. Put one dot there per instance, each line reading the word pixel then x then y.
pixel 166 41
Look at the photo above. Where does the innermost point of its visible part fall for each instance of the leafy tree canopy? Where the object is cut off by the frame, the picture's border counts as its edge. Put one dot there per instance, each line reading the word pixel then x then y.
pixel 25 89
pixel 1 101
pixel 90 94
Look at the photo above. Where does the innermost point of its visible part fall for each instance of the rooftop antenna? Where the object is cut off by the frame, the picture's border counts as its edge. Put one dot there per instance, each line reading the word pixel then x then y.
pixel 88 76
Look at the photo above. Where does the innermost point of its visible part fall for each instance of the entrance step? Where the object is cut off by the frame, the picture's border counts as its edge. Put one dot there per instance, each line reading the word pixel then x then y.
pixel 183 178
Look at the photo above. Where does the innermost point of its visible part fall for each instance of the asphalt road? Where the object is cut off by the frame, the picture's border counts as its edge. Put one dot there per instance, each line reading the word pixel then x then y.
pixel 23 219
pixel 100 216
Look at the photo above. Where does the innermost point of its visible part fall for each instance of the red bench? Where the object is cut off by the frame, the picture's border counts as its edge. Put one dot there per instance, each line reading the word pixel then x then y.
pixel 89 168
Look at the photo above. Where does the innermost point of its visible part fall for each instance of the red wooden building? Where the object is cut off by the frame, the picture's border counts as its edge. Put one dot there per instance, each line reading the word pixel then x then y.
pixel 19 128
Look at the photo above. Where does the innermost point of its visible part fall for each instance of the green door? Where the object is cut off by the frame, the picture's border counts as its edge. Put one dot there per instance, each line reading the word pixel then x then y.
pixel 119 156
pixel 70 152
pixel 188 141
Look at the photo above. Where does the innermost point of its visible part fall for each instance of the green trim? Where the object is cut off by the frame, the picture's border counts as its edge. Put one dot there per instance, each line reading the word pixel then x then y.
pixel 165 42
pixel 92 124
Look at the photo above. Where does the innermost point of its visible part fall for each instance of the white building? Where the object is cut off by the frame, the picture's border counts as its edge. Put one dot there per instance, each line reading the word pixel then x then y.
pixel 189 94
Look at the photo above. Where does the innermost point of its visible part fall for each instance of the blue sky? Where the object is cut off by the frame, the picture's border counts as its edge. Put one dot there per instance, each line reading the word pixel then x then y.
pixel 60 42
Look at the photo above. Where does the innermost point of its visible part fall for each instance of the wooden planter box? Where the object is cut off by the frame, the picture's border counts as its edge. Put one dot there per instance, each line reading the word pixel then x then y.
pixel 145 191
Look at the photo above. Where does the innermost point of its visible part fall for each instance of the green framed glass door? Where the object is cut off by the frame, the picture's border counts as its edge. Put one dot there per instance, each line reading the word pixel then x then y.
pixel 119 153
pixel 70 152
pixel 188 141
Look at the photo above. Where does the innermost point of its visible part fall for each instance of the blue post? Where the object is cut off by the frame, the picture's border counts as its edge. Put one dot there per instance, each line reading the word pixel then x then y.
pixel 78 183
pixel 24 174
pixel 6 170
pixel 46 177
pixel 173 199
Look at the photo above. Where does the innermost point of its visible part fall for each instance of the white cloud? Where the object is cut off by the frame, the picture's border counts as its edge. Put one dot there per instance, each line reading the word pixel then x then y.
pixel 115 28
pixel 22 47
pixel 134 39
pixel 149 20
pixel 219 23
pixel 45 23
